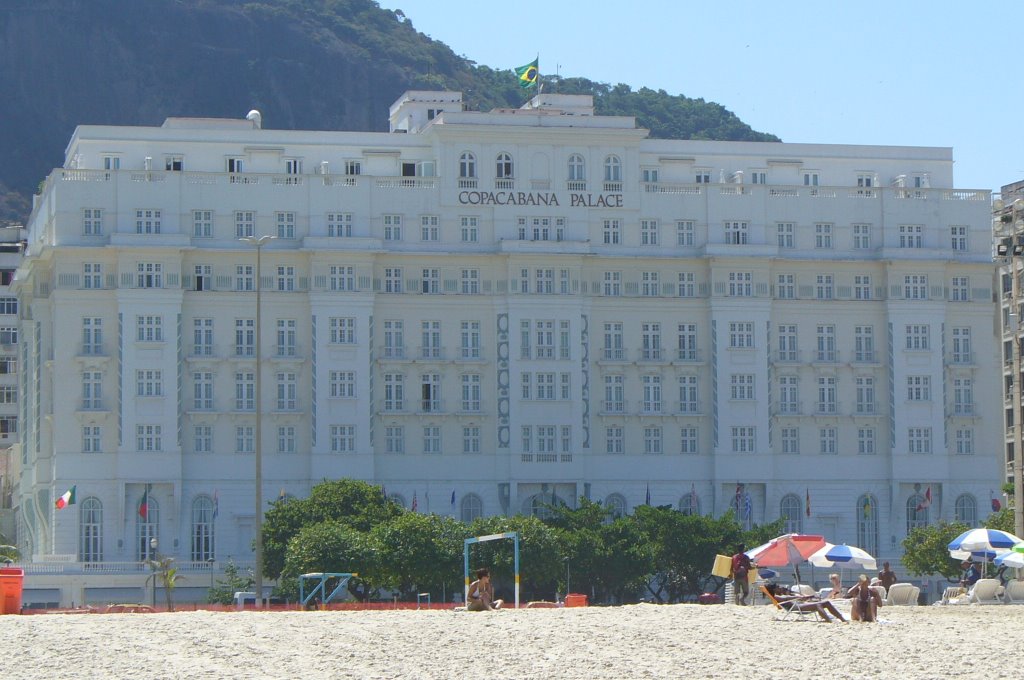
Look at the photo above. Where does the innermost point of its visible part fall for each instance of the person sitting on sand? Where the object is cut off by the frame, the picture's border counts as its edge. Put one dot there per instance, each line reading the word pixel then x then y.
pixel 866 600
pixel 481 593
pixel 837 591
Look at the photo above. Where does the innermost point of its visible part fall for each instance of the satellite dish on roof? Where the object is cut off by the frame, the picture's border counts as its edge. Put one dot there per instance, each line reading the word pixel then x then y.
pixel 256 117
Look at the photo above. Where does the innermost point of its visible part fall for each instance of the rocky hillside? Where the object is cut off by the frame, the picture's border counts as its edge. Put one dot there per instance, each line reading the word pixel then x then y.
pixel 306 64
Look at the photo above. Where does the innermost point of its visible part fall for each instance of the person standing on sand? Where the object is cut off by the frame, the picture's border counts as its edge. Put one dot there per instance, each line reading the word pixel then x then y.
pixel 740 568
pixel 886 577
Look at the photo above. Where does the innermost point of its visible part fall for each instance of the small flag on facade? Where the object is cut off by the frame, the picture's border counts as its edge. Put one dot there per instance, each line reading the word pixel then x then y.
pixel 528 75
pixel 415 503
pixel 867 507
pixel 994 502
pixel 648 499
pixel 808 504
pixel 926 501
pixel 144 503
pixel 216 504
pixel 68 498
pixel 748 506
pixel 453 498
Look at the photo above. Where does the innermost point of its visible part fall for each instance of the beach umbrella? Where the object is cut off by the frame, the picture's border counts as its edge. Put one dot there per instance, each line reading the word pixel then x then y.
pixel 1010 559
pixel 786 550
pixel 983 555
pixel 843 556
pixel 984 539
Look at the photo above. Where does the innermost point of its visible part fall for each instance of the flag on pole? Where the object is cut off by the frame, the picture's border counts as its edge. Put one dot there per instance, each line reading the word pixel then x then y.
pixel 867 507
pixel 68 498
pixel 648 499
pixel 528 75
pixel 693 499
pixel 996 505
pixel 144 503
pixel 926 501
pixel 453 499
pixel 383 492
pixel 748 507
pixel 414 503
pixel 216 504
pixel 739 497
pixel 808 504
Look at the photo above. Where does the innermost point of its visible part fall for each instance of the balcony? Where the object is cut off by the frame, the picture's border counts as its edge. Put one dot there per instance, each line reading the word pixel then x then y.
pixel 866 356
pixel 961 359
pixel 825 356
pixel 287 353
pixel 650 408
pixel 651 355
pixel 688 356
pixel 788 408
pixel 504 183
pixel 431 353
pixel 613 408
pixel 613 354
pixel 788 356
pixel 392 353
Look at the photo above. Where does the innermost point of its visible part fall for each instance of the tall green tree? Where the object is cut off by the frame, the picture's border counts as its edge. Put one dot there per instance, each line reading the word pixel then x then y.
pixel 421 553
pixel 333 546
pixel 925 551
pixel 540 559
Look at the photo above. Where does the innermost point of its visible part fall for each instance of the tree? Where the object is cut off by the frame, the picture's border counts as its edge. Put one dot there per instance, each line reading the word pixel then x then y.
pixel 333 546
pixel 233 582
pixel 167 575
pixel 420 553
pixel 627 560
pixel 925 550
pixel 1002 520
pixel 540 559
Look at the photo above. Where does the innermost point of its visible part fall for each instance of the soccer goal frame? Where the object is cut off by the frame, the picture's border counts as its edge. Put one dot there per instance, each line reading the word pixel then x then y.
pixel 514 535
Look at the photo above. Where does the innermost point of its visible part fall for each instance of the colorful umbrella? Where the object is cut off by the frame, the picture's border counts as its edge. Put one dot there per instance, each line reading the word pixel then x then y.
pixel 843 556
pixel 983 539
pixel 786 550
pixel 1010 559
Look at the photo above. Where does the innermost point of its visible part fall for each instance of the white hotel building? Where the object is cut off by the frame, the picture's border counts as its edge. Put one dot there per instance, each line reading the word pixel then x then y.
pixel 501 307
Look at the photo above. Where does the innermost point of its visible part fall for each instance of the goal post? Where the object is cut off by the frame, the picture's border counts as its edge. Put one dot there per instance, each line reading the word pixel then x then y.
pixel 514 535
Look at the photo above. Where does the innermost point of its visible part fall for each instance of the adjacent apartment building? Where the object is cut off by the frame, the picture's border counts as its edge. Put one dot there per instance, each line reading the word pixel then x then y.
pixel 486 312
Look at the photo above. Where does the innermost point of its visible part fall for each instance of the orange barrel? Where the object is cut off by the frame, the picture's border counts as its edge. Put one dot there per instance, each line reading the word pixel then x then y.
pixel 11 581
pixel 575 600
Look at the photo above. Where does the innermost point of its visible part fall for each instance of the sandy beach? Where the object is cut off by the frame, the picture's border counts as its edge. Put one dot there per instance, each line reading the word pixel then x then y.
pixel 639 641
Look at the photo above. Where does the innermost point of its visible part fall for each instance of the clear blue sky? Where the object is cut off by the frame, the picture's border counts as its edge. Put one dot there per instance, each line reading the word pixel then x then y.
pixel 898 72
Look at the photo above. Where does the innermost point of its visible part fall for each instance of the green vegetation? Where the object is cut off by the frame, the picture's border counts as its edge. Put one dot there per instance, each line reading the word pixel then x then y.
pixel 348 526
pixel 925 551
pixel 233 582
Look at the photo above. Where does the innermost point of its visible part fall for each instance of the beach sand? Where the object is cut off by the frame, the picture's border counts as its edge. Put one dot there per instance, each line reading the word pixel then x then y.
pixel 637 641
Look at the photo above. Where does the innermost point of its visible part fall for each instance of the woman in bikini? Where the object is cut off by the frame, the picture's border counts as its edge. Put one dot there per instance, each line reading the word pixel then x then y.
pixel 481 593
pixel 866 601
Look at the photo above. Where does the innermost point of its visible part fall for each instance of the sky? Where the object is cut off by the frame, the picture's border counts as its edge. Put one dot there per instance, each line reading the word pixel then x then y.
pixel 867 72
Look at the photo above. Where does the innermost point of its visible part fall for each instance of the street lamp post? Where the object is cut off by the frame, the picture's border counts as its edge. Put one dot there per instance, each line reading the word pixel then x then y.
pixel 567 589
pixel 258 242
pixel 210 562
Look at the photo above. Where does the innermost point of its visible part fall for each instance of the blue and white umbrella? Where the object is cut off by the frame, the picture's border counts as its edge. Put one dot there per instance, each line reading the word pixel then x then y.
pixel 976 540
pixel 844 557
pixel 1010 559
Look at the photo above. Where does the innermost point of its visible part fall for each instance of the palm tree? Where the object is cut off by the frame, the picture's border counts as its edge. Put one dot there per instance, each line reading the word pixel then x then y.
pixel 167 575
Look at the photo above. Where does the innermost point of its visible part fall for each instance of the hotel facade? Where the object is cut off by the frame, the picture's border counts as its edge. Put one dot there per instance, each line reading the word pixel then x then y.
pixel 487 312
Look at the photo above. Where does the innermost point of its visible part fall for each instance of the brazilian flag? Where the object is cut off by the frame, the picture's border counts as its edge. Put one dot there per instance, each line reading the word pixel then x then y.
pixel 528 75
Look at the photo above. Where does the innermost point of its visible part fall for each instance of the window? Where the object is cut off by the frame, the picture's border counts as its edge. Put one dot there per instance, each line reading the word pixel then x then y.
pixel 688 394
pixel 544 332
pixel 430 283
pixel 92 390
pixel 202 439
pixel 92 275
pixel 810 179
pixel 823 236
pixel 468 229
pixel 149 383
pixel 430 229
pixel 865 394
pixel 470 508
pixel 91 439
pixel 958 289
pixel 919 388
pixel 826 343
pixel 245 223
pixel 611 231
pixel 147 221
pixel 394 392
pixel 958 238
pixel 615 505
pixel 612 284
pixel 649 176
pixel 740 284
pixel 741 386
pixel 470 282
pixel 149 275
pixel 743 439
pixel 204 277
pixel 965 442
pixel 687 284
pixel 90 531
pixel 613 170
pixel 286 439
pixel 394 439
pixel 467 166
pixel 544 281
pixel 614 440
pixel 963 397
pixel 614 394
pixel 866 441
pixel 648 232
pixel 862 287
pixel 430 393
pixel 918 337
pixel 286 336
pixel 791 512
pixel 911 236
pixel 431 439
pixel 788 343
pixel 471 439
pixel 652 440
pixel 785 232
pixel 577 171
pixel 827 437
pixel 785 288
pixel 342 278
pixel 353 168
pixel 965 510
pixel 92 221
pixel 339 225
pixel 741 334
pixel 8 335
pixel 471 392
pixel 919 440
pixel 285 224
pixel 688 439
pixel 687 342
pixel 862 236
pixel 824 289
pixel 245 337
pixel 545 386
pixel 244 439
pixel 202 548
pixel 917 512
pixel 235 165
pixel 202 390
pixel 504 168
pixel 244 277
pixel 651 341
pixel 285 278
pixel 149 328
pixel 245 391
pixel 684 232
pixel 392 279
pixel 865 180
pixel 758 177
pixel 864 344
pixel 92 335
pixel 613 347
pixel 392 227
pixel 736 233
pixel 394 339
pixel 790 440
pixel 915 287
pixel 651 393
pixel 148 438
pixel 867 523
pixel 789 395
pixel 8 365
pixel 469 335
pixel 286 391
pixel 342 384
pixel 702 176
pixel 111 163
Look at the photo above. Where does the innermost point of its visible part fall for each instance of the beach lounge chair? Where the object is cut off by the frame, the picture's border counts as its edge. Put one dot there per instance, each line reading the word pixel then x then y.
pixel 902 594
pixel 801 607
pixel 986 591
pixel 1014 593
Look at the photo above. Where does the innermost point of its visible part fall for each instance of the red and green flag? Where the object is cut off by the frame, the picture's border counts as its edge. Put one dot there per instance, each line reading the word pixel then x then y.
pixel 68 498
pixel 144 503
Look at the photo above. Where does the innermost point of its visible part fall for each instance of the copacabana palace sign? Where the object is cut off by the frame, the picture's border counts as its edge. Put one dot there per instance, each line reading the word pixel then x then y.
pixel 543 198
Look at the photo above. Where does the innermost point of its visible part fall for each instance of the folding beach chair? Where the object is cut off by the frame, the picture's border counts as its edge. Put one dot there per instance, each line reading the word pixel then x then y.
pixel 801 607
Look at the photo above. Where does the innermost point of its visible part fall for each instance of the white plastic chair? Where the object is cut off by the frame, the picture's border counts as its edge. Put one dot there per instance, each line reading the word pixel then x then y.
pixel 902 595
pixel 1014 593
pixel 985 591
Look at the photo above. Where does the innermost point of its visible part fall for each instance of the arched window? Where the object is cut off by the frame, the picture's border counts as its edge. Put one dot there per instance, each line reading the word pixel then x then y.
pixel 612 169
pixel 616 505
pixel 467 165
pixel 146 528
pixel 689 504
pixel 90 531
pixel 397 499
pixel 504 166
pixel 966 509
pixel 867 523
pixel 791 511
pixel 471 507
pixel 577 168
pixel 202 529
pixel 917 512
pixel 540 504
